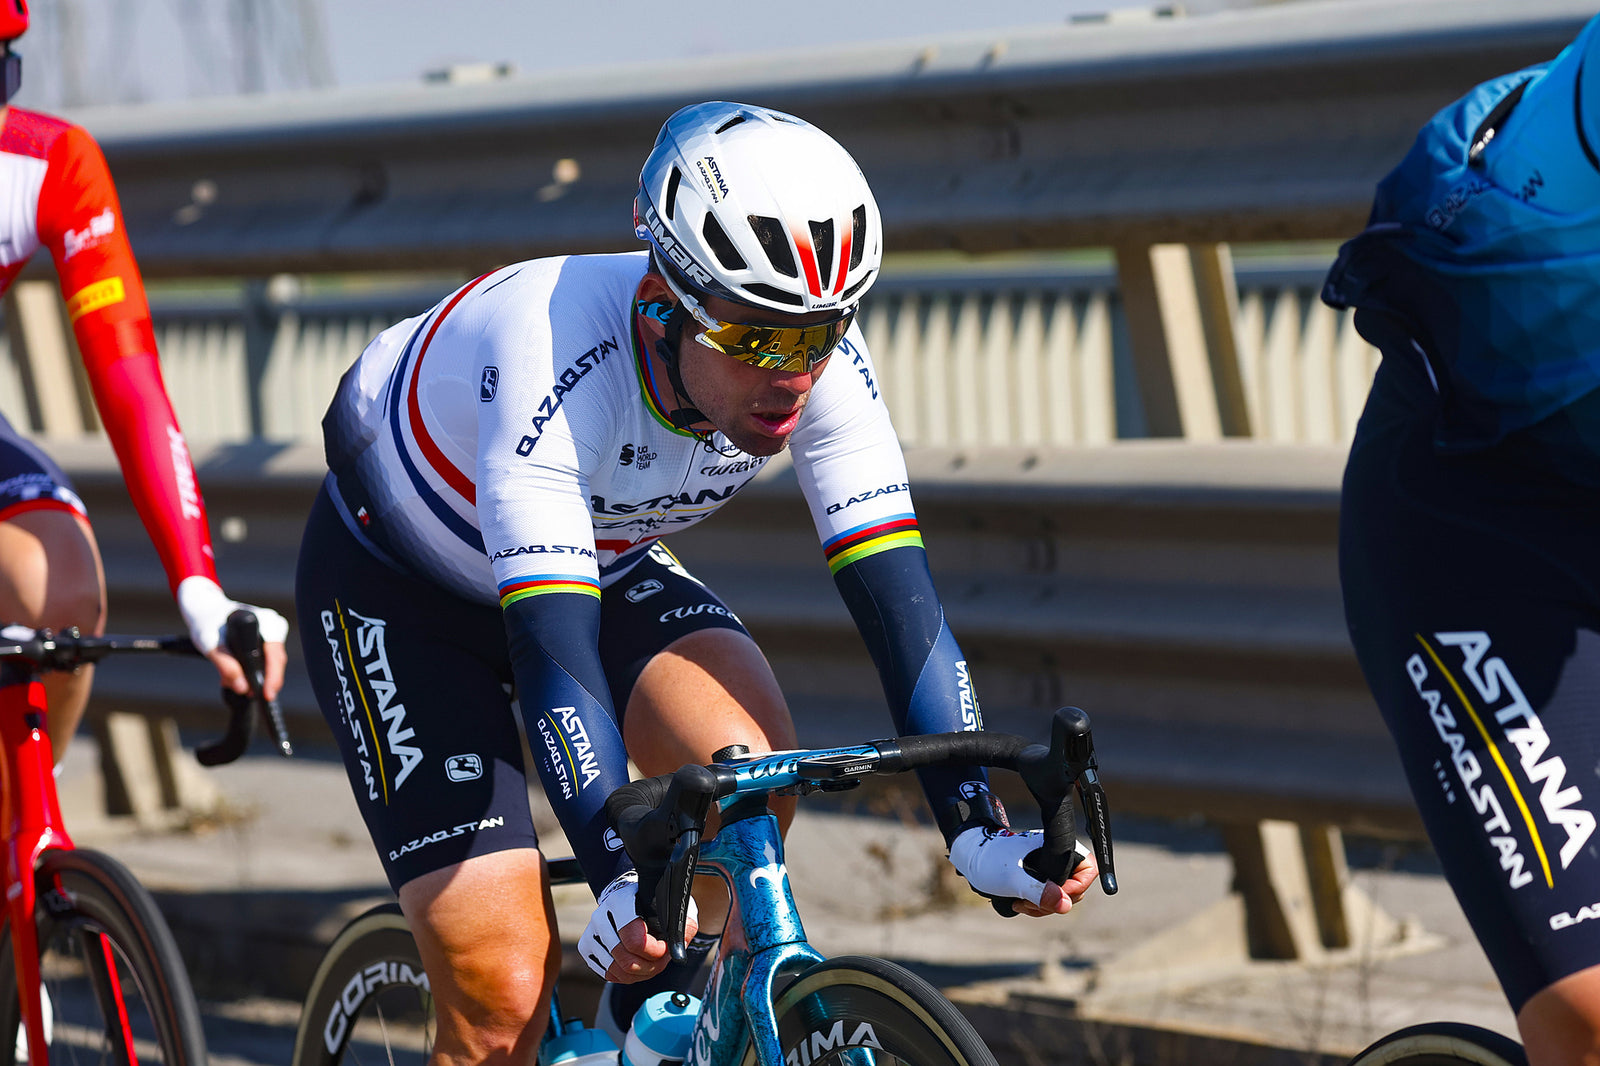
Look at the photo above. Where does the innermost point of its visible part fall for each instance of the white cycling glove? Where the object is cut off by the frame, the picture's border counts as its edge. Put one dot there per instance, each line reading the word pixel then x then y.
pixel 205 608
pixel 991 861
pixel 617 906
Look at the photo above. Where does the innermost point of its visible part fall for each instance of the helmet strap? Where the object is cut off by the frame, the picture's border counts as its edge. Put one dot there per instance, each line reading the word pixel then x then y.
pixel 10 74
pixel 667 350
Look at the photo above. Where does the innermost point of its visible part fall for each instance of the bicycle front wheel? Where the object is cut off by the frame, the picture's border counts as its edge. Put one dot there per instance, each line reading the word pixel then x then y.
pixel 1443 1044
pixel 114 986
pixel 856 1009
pixel 369 1000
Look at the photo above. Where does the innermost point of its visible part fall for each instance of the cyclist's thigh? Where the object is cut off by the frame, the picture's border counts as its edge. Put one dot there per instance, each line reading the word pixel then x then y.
pixel 484 930
pixel 414 683
pixel 684 669
pixel 50 570
pixel 1470 591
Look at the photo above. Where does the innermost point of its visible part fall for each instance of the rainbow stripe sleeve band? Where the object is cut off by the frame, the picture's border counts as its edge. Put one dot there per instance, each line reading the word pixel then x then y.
pixel 898 531
pixel 523 587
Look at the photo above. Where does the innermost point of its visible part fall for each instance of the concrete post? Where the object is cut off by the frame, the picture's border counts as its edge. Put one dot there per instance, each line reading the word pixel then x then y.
pixel 1161 300
pixel 43 348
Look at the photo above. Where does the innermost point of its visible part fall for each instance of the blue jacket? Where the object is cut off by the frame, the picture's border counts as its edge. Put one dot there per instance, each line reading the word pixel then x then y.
pixel 1484 246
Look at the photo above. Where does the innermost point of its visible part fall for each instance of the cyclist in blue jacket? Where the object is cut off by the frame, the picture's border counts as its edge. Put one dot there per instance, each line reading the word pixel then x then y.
pixel 1470 529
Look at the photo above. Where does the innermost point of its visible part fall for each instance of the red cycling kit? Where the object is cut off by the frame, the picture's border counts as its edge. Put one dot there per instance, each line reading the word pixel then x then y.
pixel 56 191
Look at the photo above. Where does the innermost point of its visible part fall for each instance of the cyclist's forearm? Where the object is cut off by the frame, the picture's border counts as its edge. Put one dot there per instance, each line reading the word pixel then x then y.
pixel 892 599
pixel 155 461
pixel 566 707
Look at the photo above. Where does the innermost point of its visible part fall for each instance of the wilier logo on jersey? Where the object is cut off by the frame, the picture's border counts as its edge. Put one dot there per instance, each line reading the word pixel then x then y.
pixel 490 383
pixel 99 228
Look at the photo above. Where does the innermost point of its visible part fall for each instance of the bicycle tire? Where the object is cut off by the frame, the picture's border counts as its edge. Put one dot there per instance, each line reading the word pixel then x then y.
pixel 837 1008
pixel 87 903
pixel 369 1000
pixel 1443 1044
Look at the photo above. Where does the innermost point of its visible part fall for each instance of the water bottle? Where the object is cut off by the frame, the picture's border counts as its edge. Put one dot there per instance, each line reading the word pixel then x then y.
pixel 579 1047
pixel 661 1030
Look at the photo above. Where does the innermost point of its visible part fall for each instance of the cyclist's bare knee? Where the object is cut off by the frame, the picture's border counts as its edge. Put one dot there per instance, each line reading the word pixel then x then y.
pixel 1561 1024
pixel 50 572
pixel 484 930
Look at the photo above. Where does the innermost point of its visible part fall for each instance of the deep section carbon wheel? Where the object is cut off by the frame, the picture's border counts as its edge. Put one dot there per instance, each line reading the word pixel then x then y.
pixel 856 1009
pixel 369 1000
pixel 1443 1044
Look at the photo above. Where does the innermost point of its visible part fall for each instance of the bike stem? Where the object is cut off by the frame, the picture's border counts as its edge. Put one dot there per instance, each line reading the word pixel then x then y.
pixel 30 818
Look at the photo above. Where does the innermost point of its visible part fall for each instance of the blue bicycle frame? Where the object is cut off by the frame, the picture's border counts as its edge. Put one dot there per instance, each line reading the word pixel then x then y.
pixel 764 939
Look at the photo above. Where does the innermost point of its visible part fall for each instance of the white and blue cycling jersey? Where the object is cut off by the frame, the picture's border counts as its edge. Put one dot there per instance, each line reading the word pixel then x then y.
pixel 512 439
pixel 512 446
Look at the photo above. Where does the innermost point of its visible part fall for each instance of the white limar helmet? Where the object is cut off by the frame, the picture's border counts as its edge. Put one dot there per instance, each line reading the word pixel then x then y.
pixel 759 207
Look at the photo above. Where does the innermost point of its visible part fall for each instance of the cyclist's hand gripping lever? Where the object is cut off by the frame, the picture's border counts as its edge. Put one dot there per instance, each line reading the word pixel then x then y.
pixel 1050 775
pixel 243 638
pixel 665 846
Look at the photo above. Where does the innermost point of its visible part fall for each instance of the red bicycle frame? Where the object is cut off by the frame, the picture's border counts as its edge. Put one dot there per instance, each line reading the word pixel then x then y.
pixel 30 820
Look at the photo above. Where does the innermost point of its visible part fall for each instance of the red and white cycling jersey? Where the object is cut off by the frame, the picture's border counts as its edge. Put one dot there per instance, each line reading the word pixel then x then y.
pixel 56 191
pixel 512 441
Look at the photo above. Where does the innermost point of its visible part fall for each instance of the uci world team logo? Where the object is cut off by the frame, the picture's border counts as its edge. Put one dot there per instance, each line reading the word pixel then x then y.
pixel 490 383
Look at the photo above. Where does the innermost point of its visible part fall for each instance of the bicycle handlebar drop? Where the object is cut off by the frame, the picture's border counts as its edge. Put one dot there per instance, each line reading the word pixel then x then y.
pixel 243 639
pixel 40 650
pixel 661 820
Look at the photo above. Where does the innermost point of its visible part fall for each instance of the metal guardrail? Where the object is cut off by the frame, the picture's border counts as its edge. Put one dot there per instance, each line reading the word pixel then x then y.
pixel 1260 124
pixel 1186 595
pixel 994 359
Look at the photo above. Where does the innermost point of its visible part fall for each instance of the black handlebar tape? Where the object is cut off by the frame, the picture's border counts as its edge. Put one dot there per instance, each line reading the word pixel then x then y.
pixel 242 637
pixel 916 752
pixel 241 727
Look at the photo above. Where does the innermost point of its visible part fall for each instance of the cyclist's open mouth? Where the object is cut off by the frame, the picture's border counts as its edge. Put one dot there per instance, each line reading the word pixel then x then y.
pixel 778 423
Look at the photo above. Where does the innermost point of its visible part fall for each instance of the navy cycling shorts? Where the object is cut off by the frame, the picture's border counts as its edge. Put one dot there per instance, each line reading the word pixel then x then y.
pixel 1472 591
pixel 415 683
pixel 30 480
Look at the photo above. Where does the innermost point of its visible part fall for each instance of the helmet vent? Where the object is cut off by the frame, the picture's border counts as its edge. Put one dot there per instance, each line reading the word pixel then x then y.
pixel 822 244
pixel 769 231
pixel 852 290
pixel 720 243
pixel 728 125
pixel 858 235
pixel 672 191
pixel 769 292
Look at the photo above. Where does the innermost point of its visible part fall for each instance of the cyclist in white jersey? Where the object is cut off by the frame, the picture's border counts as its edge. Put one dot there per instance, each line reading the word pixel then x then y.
pixel 502 470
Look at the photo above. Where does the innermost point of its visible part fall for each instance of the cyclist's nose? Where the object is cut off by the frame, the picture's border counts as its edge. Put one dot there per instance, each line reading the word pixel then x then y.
pixel 798 382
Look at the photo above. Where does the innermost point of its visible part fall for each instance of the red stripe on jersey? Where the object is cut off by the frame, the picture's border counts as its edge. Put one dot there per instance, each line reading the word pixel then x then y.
pixel 435 456
pixel 620 546
pixel 48 503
